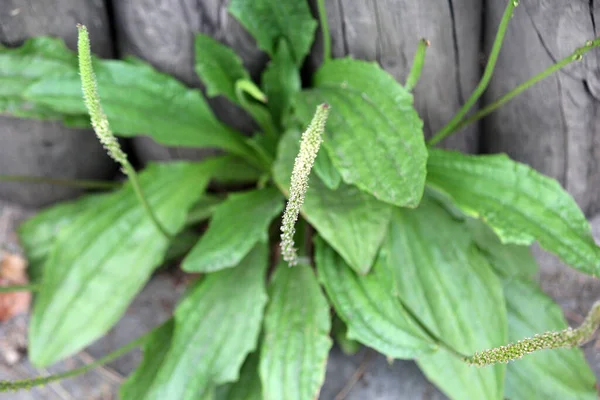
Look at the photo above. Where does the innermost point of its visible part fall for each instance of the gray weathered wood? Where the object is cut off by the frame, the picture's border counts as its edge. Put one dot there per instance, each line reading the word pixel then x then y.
pixel 388 31
pixel 555 125
pixel 37 148
pixel 162 33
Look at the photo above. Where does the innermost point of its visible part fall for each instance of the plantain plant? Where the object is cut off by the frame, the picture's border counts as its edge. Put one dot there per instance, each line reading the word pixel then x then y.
pixel 417 252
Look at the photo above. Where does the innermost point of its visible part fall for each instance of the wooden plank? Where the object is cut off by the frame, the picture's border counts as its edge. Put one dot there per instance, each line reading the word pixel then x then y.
pixel 388 31
pixel 555 125
pixel 162 33
pixel 37 148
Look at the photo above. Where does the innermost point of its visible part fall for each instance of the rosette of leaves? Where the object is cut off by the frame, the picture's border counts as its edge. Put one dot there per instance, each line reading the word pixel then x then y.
pixel 417 252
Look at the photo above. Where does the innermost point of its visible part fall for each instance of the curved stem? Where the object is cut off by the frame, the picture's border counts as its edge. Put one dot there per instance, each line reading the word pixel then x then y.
pixel 417 66
pixel 575 56
pixel 566 338
pixel 485 79
pixel 324 30
pixel 19 288
pixel 100 122
pixel 80 183
pixel 7 386
pixel 137 188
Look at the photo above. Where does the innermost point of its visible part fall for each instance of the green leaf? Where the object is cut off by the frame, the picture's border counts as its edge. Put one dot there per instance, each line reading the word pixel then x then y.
pixel 36 58
pixel 203 209
pixel 248 387
pixel 281 81
pixel 137 99
pixel 218 67
pixel 237 225
pixel 271 20
pixel 518 203
pixel 550 374
pixel 445 282
pixel 374 136
pixel 353 222
pixel 296 336
pixel 508 260
pixel 216 327
pixel 155 349
pixel 38 234
pixel 326 171
pixel 366 304
pixel 104 256
pixel 339 331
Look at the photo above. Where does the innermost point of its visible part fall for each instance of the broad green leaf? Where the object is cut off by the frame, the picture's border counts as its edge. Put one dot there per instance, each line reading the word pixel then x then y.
pixel 507 259
pixel 137 99
pixel 104 256
pixel 326 171
pixel 204 208
pixel 237 225
pixel 281 81
pixel 443 280
pixel 216 327
pixel 248 387
pixel 20 67
pixel 549 374
pixel 155 349
pixel 218 67
pixel 351 221
pixel 366 304
pixel 374 136
pixel 518 203
pixel 296 336
pixel 38 234
pixel 271 20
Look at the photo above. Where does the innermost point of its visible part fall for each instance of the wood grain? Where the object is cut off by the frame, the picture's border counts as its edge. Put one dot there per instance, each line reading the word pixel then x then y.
pixel 555 125
pixel 388 31
pixel 29 147
pixel 162 33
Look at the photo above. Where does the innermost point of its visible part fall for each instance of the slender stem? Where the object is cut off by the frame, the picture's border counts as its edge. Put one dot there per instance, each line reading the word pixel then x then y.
pixel 8 386
pixel 417 66
pixel 137 188
pixel 485 79
pixel 566 338
pixel 100 122
pixel 576 56
pixel 324 30
pixel 19 288
pixel 80 183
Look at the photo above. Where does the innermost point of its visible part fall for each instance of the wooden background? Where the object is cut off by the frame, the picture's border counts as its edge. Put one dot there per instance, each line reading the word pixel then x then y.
pixel 553 126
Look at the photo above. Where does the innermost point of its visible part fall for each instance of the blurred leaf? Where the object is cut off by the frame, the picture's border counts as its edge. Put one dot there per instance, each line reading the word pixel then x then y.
pixel 218 67
pixel 518 203
pixel 271 20
pixel 326 171
pixel 237 225
pixel 443 280
pixel 550 374
pixel 374 136
pixel 507 259
pixel 296 335
pixel 281 81
pixel 216 327
pixel 367 305
pixel 103 257
pixel 248 387
pixel 41 79
pixel 353 222
pixel 203 209
pixel 38 234
pixel 155 350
